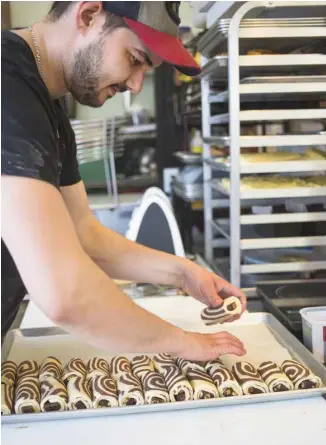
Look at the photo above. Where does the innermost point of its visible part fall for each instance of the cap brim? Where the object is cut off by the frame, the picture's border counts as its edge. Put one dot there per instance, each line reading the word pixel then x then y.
pixel 167 47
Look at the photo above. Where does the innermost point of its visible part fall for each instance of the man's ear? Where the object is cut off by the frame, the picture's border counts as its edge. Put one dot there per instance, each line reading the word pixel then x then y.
pixel 87 15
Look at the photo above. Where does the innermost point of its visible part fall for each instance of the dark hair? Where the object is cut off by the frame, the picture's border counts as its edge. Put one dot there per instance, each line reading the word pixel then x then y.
pixel 59 9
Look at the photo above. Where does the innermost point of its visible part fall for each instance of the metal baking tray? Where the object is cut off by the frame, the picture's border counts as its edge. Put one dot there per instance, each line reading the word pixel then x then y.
pixel 284 79
pixel 30 349
pixel 188 158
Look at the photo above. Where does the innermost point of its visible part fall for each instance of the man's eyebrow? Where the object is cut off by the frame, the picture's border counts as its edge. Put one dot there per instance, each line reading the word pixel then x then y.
pixel 146 57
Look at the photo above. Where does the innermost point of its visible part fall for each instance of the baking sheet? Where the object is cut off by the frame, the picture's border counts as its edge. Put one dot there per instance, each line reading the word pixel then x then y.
pixel 265 338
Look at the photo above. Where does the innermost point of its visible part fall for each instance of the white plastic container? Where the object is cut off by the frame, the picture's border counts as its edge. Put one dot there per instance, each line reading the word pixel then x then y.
pixel 314 331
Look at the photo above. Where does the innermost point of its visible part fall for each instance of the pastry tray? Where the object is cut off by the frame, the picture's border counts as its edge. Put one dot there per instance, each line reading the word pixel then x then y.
pixel 40 342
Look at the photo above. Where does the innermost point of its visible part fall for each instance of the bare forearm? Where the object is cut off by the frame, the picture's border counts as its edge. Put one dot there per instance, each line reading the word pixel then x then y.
pixel 105 317
pixel 124 259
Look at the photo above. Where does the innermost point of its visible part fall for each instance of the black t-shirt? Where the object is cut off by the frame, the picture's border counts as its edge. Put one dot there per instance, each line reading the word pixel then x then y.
pixel 37 141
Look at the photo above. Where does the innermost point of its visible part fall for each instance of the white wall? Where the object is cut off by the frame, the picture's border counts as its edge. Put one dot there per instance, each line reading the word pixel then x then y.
pixel 25 13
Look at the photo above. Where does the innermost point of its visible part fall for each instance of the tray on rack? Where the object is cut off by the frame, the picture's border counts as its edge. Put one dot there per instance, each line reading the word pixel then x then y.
pixel 188 158
pixel 264 335
pixel 294 192
pixel 283 79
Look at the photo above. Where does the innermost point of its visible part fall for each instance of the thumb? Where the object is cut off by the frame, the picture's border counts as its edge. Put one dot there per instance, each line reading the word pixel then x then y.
pixel 214 299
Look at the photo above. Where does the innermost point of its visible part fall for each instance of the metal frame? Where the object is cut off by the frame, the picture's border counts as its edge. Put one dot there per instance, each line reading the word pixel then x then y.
pixel 221 67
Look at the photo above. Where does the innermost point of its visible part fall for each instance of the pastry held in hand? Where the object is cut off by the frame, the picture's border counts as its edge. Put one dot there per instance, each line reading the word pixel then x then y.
pixel 249 378
pixel 213 315
pixel 79 396
pixel 27 398
pixel 8 372
pixel 187 365
pixel 202 384
pixel 141 365
pixel 274 378
pixel 97 367
pixel 7 399
pixel 300 375
pixel 74 368
pixel 162 362
pixel 129 390
pixel 27 368
pixel 119 365
pixel 223 379
pixel 51 367
pixel 54 396
pixel 178 386
pixel 155 390
pixel 104 390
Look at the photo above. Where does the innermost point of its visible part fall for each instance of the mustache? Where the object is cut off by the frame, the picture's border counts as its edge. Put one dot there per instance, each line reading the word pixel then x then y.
pixel 120 87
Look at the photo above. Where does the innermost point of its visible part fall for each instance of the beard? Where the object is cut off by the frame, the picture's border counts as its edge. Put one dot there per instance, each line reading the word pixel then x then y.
pixel 85 76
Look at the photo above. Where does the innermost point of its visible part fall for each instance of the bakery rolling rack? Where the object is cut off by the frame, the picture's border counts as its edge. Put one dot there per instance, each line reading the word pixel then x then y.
pixel 258 90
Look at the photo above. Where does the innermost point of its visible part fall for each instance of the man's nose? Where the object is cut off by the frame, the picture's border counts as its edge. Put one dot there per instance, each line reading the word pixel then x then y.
pixel 135 82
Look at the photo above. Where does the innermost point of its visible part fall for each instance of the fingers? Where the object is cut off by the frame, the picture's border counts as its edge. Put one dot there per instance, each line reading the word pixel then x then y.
pixel 226 289
pixel 225 343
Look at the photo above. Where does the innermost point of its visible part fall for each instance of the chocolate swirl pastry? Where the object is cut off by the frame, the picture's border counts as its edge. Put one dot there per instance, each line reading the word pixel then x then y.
pixel 119 365
pixel 27 398
pixel 27 368
pixel 8 372
pixel 104 390
pixel 202 384
pixel 97 367
pixel 54 396
pixel 75 367
pixel 213 364
pixel 141 364
pixel 129 390
pixel 154 388
pixel 300 375
pixel 187 365
pixel 212 315
pixel 79 396
pixel 51 367
pixel 274 378
pixel 178 386
pixel 223 379
pixel 162 362
pixel 249 378
pixel 7 399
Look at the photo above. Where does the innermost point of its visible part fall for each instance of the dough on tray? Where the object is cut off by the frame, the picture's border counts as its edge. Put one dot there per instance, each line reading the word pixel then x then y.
pixel 155 390
pixel 119 365
pixel 223 379
pixel 300 375
pixel 75 367
pixel 97 367
pixel 27 398
pixel 54 396
pixel 79 396
pixel 27 368
pixel 162 362
pixel 249 378
pixel 104 391
pixel 51 367
pixel 202 384
pixel 129 390
pixel 274 378
pixel 177 384
pixel 8 372
pixel 7 399
pixel 141 365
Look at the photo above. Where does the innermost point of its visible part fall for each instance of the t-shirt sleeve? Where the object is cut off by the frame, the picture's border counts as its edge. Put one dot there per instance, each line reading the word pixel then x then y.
pixel 70 170
pixel 29 141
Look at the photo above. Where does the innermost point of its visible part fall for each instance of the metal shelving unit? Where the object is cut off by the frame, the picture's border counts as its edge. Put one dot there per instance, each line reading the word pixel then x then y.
pixel 298 77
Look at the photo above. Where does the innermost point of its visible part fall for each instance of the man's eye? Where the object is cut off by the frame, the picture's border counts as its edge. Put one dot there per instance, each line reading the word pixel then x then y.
pixel 135 61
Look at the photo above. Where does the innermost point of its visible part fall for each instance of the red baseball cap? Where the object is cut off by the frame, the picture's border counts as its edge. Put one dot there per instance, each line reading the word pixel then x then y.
pixel 157 26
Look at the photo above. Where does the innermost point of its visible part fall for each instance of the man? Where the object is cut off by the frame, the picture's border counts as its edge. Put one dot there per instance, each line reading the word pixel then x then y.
pixel 52 246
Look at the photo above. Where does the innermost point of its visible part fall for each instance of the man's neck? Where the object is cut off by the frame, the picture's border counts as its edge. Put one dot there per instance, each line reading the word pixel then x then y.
pixel 49 41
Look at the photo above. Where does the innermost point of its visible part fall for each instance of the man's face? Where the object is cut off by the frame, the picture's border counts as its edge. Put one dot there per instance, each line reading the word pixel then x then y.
pixel 110 62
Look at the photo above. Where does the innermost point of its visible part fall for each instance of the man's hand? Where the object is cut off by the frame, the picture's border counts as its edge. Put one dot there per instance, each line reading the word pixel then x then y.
pixel 204 347
pixel 208 287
